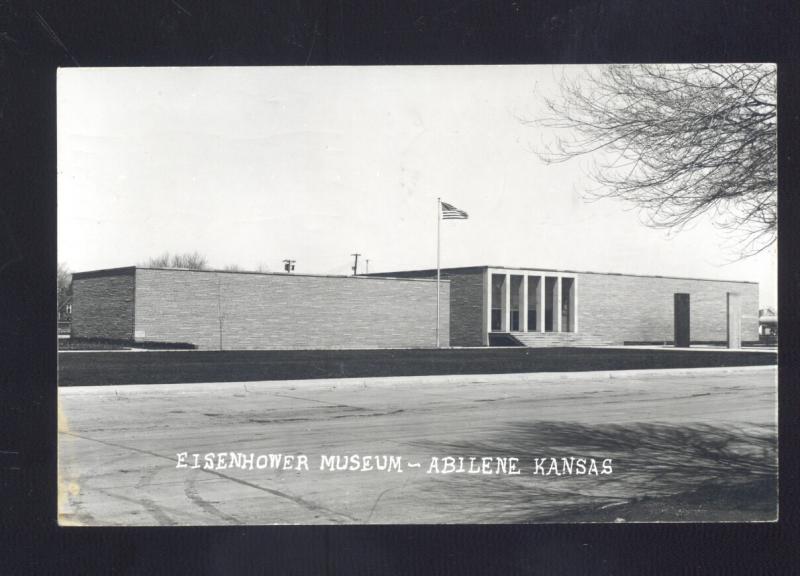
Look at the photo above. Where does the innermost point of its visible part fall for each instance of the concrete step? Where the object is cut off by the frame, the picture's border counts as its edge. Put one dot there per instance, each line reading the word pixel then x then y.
pixel 544 339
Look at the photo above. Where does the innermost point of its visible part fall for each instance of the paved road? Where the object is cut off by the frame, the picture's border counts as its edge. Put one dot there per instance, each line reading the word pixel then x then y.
pixel 666 433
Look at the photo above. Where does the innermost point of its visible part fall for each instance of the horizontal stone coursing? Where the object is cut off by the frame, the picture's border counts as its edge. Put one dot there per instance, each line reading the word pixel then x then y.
pixel 273 311
pixel 466 302
pixel 612 308
pixel 103 306
pixel 285 311
pixel 638 308
pixel 466 308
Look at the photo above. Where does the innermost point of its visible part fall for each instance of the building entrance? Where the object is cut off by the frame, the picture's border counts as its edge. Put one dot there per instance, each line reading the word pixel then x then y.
pixel 532 303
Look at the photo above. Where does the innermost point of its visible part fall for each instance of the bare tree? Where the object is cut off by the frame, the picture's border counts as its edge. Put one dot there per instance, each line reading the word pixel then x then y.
pixel 678 141
pixel 193 261
pixel 233 268
pixel 161 261
pixel 64 290
pixel 190 260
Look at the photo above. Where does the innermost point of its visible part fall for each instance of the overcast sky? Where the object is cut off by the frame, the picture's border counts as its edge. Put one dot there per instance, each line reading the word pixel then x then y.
pixel 249 166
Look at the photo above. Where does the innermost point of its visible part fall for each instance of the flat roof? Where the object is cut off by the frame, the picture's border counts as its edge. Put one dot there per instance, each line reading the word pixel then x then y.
pixel 129 270
pixel 481 268
pixel 387 275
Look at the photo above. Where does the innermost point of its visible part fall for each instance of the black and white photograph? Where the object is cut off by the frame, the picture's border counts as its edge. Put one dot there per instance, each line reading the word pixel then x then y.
pixel 432 294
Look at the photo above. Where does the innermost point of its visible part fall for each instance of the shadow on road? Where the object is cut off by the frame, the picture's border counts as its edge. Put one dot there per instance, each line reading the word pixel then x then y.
pixel 660 472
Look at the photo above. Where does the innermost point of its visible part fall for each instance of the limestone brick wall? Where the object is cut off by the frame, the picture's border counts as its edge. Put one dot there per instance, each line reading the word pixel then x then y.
pixel 275 311
pixel 633 308
pixel 103 304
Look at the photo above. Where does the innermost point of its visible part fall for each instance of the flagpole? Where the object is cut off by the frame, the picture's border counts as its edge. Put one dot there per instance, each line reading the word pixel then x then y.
pixel 438 271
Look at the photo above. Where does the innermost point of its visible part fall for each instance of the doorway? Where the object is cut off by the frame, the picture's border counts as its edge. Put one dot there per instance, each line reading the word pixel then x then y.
pixel 682 333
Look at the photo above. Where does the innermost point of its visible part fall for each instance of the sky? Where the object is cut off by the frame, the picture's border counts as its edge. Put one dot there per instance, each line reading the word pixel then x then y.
pixel 251 166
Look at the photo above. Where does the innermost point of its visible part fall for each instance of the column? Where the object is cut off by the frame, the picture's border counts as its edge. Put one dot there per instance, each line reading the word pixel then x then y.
pixel 557 305
pixel 734 310
pixel 505 311
pixel 540 306
pixel 487 301
pixel 574 300
pixel 523 304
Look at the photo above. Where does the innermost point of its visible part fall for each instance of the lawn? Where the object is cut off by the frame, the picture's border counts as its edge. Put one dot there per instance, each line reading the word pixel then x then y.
pixel 162 367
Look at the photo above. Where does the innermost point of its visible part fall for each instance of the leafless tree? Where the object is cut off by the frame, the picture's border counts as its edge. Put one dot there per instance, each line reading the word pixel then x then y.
pixel 193 260
pixel 161 261
pixel 677 141
pixel 64 287
pixel 233 268
pixel 190 260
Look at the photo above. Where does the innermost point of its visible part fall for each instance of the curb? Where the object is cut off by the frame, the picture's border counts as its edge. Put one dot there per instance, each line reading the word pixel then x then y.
pixel 389 381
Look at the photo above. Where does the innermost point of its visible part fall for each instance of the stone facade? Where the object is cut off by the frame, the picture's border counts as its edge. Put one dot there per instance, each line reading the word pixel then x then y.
pixel 466 302
pixel 230 310
pixel 466 307
pixel 103 304
pixel 622 308
pixel 612 308
pixel 240 311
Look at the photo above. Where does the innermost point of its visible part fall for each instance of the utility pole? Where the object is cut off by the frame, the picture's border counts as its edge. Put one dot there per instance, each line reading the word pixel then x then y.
pixel 438 265
pixel 288 265
pixel 367 265
pixel 219 308
pixel 355 264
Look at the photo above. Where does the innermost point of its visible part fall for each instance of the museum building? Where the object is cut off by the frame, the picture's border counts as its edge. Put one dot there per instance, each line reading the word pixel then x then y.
pixel 541 307
pixel 478 306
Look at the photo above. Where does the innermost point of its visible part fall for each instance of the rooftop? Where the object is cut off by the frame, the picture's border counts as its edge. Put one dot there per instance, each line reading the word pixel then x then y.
pixel 557 271
pixel 129 270
pixel 384 275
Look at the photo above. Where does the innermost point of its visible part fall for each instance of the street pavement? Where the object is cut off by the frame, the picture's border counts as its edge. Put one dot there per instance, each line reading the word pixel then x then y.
pixel 663 433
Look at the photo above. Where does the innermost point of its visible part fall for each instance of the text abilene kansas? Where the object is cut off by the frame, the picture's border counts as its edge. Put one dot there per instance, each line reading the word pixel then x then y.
pixel 498 465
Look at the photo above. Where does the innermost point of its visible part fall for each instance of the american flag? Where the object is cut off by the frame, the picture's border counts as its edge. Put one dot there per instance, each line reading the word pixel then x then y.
pixel 450 212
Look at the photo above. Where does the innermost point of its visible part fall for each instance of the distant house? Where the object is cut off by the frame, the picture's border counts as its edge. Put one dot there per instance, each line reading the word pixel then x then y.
pixel 768 326
pixel 65 316
pixel 65 310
